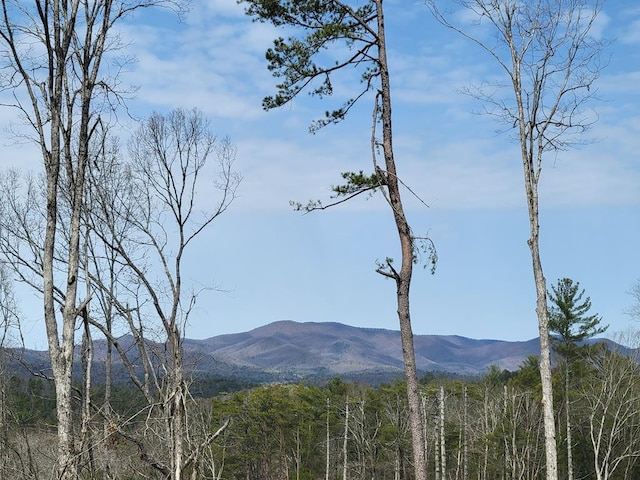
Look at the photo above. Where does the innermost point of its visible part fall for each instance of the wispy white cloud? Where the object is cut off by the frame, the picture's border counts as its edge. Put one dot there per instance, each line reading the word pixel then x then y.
pixel 617 86
pixel 213 61
pixel 451 159
pixel 629 32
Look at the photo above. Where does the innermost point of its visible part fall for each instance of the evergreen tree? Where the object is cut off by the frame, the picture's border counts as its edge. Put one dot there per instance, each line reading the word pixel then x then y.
pixel 569 321
pixel 570 325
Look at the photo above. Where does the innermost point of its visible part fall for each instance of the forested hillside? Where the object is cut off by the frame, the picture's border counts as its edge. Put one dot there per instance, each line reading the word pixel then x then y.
pixel 483 428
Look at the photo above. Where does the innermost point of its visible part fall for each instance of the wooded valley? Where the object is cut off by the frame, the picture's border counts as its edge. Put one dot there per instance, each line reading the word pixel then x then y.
pixel 488 427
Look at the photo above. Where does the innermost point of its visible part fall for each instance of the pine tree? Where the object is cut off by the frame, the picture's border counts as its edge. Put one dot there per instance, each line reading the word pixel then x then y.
pixel 568 319
pixel 570 326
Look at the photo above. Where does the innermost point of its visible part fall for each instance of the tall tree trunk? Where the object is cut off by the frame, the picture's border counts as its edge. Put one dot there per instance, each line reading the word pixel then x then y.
pixel 443 447
pixel 402 277
pixel 505 432
pixel 485 463
pixel 60 354
pixel 85 431
pixel 567 406
pixel 177 418
pixel 465 437
pixel 109 427
pixel 531 185
pixel 551 58
pixel 396 463
pixel 436 450
pixel 345 440
pixel 326 476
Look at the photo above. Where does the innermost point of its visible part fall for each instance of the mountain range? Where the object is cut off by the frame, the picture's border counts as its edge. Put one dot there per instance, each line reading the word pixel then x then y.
pixel 289 349
pixel 293 351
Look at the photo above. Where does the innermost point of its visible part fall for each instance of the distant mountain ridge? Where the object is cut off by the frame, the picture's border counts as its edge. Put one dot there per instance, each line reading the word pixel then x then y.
pixel 292 351
pixel 335 349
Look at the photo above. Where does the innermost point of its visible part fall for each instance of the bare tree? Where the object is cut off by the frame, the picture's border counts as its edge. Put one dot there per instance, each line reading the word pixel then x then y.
pixel 611 393
pixel 550 56
pixel 130 229
pixel 522 430
pixel 442 438
pixel 634 310
pixel 9 325
pixel 345 444
pixel 328 443
pixel 103 268
pixel 52 53
pixel 149 223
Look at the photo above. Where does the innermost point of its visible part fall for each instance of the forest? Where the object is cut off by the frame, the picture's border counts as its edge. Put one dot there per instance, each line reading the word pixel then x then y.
pixel 476 428
pixel 101 232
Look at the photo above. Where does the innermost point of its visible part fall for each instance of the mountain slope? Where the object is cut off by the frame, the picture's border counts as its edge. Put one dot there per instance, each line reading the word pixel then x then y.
pixel 304 349
pixel 290 351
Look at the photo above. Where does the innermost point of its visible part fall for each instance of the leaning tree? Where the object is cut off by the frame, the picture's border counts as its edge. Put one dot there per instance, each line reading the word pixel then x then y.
pixel 353 33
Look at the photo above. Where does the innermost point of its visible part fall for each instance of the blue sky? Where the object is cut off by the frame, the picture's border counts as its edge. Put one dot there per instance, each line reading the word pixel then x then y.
pixel 268 263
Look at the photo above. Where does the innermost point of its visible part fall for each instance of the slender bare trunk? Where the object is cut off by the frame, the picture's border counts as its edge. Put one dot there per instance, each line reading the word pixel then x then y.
pixel 109 428
pixel 465 439
pixel 543 327
pixel 345 440
pixel 436 448
pixel 567 406
pixel 485 463
pixel 396 464
pixel 87 361
pixel 177 417
pixel 403 276
pixel 443 447
pixel 505 432
pixel 328 442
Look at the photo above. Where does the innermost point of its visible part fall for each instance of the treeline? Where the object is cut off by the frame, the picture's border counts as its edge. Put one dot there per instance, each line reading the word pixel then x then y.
pixel 30 402
pixel 485 428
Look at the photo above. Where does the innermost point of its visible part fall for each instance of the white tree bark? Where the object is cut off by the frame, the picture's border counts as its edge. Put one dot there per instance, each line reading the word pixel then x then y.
pixel 55 91
pixel 443 446
pixel 345 452
pixel 550 58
